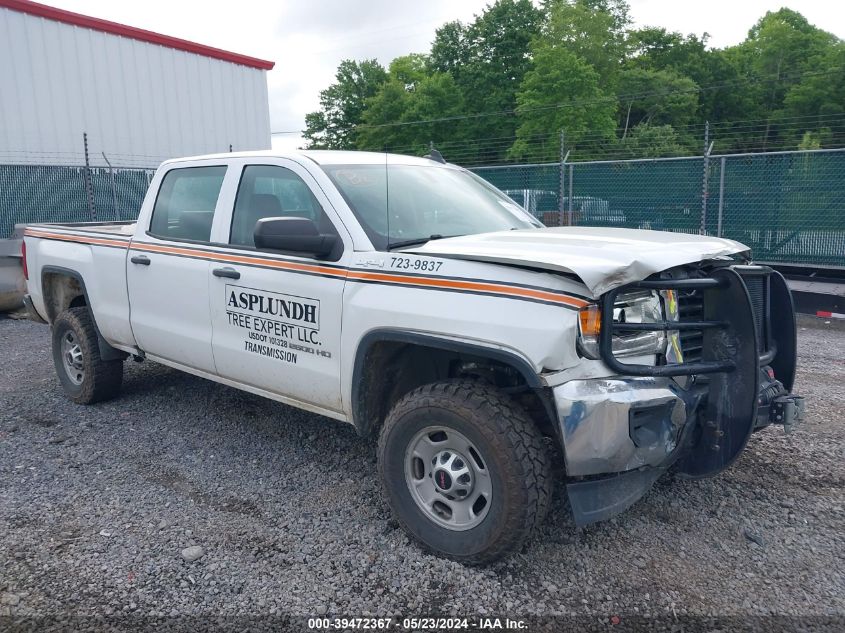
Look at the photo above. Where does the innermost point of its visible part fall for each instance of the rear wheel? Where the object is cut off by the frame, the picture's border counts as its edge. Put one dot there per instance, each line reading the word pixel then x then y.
pixel 465 470
pixel 85 377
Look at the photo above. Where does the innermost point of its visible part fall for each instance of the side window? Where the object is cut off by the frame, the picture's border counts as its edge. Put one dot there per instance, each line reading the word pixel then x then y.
pixel 267 191
pixel 184 208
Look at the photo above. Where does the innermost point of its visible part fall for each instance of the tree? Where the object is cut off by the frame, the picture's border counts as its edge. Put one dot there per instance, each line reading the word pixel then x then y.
pixel 488 60
pixel 728 92
pixel 342 105
pixel 448 51
pixel 406 117
pixel 561 92
pixel 654 141
pixel 818 98
pixel 409 69
pixel 378 129
pixel 779 50
pixel 655 97
pixel 656 48
pixel 521 72
pixel 784 41
pixel 594 30
pixel 810 141
pixel 435 97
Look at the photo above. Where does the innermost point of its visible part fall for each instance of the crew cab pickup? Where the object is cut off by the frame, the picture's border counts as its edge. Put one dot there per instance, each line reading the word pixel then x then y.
pixel 410 298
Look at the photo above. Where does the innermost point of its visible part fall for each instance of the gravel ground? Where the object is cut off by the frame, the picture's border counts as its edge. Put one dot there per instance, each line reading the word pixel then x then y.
pixel 100 506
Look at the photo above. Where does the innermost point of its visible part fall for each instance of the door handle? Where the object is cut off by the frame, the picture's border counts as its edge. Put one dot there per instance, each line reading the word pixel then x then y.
pixel 229 273
pixel 140 259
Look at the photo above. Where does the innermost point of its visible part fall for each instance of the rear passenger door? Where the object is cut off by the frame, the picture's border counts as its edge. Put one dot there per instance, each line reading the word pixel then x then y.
pixel 168 271
pixel 276 315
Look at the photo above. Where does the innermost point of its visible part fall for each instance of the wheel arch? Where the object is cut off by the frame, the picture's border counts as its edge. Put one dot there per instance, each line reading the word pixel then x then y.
pixel 386 349
pixel 64 288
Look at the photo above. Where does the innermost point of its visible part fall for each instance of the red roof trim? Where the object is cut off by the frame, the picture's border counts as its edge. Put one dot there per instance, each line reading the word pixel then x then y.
pixel 77 19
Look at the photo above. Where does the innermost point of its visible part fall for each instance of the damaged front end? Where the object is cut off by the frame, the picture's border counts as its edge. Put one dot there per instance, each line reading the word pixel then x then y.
pixel 726 367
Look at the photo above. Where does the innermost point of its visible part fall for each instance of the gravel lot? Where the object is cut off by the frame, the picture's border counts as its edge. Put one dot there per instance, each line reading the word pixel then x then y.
pixel 98 503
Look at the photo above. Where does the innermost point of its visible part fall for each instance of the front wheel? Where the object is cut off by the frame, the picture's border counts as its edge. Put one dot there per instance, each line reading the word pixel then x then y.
pixel 85 377
pixel 465 470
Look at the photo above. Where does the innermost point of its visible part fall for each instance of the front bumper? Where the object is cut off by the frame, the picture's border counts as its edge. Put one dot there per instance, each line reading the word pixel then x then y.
pixel 619 434
pixel 619 424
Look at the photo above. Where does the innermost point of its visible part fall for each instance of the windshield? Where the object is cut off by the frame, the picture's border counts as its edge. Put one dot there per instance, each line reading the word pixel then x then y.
pixel 402 204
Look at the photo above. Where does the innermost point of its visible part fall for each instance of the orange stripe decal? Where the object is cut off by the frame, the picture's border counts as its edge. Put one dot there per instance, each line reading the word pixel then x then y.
pixel 341 273
pixel 478 286
pixel 239 259
pixel 67 237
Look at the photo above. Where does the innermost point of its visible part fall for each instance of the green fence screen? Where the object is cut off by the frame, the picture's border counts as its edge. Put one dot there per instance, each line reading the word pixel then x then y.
pixel 49 193
pixel 789 207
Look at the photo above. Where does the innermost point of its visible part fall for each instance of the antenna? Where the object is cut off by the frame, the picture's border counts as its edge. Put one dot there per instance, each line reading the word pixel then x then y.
pixel 434 155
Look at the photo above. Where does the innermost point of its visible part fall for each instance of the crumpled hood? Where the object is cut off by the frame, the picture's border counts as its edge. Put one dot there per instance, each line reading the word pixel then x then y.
pixel 604 258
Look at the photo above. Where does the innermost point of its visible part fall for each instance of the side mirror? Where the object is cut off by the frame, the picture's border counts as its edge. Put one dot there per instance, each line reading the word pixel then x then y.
pixel 299 235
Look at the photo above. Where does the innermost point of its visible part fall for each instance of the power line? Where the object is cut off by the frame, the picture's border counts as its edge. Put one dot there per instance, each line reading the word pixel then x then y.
pixel 584 102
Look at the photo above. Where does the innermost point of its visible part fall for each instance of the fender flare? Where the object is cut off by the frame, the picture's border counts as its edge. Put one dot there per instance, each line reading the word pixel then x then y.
pixel 434 341
pixel 107 352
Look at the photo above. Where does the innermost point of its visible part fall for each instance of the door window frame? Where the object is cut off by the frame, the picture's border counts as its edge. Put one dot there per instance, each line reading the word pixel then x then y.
pixel 217 207
pixel 237 193
pixel 231 185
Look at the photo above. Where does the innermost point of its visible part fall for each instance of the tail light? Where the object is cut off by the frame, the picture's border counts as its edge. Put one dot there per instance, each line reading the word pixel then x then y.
pixel 23 260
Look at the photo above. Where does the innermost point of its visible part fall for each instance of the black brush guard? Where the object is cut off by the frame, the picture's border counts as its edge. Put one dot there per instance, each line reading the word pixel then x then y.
pixel 743 331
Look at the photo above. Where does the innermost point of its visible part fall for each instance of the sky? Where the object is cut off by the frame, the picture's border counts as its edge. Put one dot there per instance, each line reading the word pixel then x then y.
pixel 308 38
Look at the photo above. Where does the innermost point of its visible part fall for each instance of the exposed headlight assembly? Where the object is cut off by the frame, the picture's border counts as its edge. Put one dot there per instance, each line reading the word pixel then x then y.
pixel 642 306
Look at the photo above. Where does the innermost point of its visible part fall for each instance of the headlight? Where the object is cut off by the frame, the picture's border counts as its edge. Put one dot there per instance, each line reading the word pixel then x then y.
pixel 642 306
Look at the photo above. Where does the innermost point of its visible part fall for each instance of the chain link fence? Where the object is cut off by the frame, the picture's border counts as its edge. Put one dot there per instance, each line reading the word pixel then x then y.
pixel 49 193
pixel 789 207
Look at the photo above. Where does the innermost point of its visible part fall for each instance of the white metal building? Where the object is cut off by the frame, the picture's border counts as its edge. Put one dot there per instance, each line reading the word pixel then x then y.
pixel 140 96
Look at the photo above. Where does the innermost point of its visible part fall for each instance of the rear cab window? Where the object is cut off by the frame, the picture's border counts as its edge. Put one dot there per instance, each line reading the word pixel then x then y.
pixel 184 207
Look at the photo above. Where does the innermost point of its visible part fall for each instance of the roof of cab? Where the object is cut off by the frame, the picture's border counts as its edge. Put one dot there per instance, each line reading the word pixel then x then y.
pixel 321 157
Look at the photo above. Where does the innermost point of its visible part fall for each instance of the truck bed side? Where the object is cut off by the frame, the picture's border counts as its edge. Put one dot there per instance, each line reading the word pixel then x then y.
pixel 72 264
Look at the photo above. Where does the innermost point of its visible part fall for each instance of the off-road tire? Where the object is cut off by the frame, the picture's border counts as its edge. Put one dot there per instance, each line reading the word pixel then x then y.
pixel 512 447
pixel 101 379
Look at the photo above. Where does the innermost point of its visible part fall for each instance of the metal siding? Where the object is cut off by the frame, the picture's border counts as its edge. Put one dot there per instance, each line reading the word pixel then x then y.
pixel 216 118
pixel 140 103
pixel 147 106
pixel 227 99
pixel 18 104
pixel 196 108
pixel 67 78
pixel 169 92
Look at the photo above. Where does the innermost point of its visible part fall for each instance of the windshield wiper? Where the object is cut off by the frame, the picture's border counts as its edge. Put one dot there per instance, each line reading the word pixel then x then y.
pixel 418 241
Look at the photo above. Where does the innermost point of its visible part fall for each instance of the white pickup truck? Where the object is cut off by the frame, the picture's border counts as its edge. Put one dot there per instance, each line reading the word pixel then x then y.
pixel 409 297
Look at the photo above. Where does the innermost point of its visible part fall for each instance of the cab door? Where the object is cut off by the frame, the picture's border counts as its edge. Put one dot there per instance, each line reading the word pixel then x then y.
pixel 276 316
pixel 166 273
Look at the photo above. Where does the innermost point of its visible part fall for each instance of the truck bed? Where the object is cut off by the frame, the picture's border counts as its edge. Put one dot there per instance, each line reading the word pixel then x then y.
pixel 102 228
pixel 95 253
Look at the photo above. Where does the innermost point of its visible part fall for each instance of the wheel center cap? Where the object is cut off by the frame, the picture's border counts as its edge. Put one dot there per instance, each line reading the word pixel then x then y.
pixel 442 480
pixel 452 475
